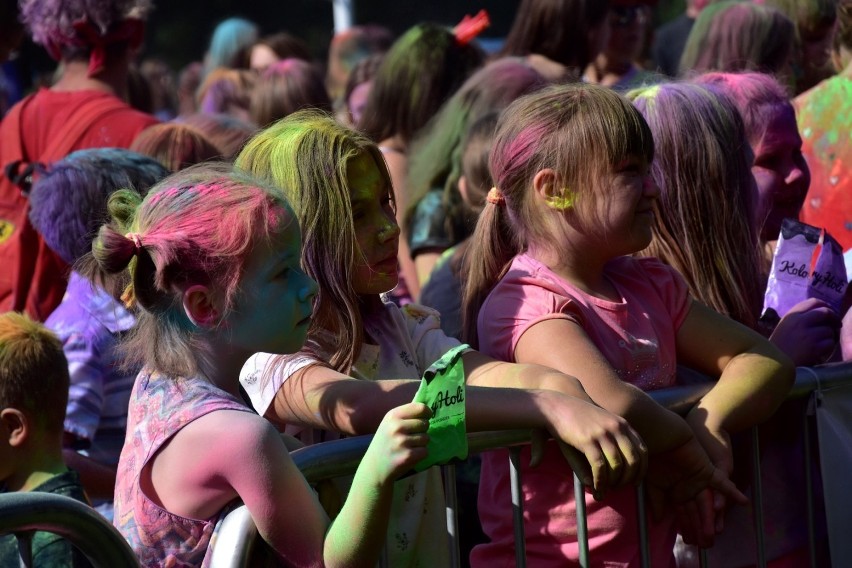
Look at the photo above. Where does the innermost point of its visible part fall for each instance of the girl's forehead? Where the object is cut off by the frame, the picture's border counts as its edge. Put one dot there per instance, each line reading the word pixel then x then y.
pixel 365 178
pixel 779 126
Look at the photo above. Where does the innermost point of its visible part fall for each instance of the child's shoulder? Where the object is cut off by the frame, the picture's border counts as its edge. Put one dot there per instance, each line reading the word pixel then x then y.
pixel 418 313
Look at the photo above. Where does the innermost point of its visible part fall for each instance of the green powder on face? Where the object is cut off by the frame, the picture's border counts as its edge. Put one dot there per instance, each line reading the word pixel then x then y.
pixel 442 390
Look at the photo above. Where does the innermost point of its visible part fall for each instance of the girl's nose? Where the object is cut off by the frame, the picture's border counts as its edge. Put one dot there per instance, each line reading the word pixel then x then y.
pixel 390 231
pixel 798 175
pixel 650 187
pixel 309 288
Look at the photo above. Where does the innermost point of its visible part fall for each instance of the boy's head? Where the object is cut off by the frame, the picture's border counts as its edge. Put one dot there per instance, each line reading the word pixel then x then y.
pixel 33 384
pixel 69 202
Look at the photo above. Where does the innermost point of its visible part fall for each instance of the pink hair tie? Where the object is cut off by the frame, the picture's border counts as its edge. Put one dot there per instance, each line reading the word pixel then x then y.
pixel 470 27
pixel 495 197
pixel 137 240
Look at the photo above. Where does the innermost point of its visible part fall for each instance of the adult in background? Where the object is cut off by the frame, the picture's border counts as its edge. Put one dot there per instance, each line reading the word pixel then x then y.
pixel 558 37
pixel 85 108
pixel 670 38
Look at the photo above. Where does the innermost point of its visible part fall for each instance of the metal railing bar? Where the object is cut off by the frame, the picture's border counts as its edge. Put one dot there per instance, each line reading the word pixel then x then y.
pixel 74 521
pixel 452 508
pixel 582 522
pixel 517 506
pixel 643 526
pixel 25 548
pixel 757 501
pixel 809 488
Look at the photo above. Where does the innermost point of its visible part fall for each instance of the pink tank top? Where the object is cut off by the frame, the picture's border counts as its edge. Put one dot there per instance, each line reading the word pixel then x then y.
pixel 159 407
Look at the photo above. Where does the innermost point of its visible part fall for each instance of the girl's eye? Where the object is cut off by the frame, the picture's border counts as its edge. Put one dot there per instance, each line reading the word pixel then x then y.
pixel 282 274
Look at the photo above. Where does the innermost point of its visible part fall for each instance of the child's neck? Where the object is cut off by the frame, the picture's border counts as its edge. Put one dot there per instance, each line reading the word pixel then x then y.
pixel 584 271
pixel 33 472
pixel 222 367
pixel 369 305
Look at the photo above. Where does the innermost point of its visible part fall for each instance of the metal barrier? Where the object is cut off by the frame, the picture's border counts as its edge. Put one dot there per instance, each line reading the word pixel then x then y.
pixel 237 542
pixel 23 513
pixel 341 457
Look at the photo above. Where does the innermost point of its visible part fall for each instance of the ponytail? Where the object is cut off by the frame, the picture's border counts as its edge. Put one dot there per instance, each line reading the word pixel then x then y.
pixel 493 246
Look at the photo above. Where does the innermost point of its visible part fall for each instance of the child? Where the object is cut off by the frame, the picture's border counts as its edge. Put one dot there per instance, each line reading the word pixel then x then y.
pixel 739 36
pixel 438 217
pixel 33 394
pixel 420 71
pixel 551 285
pixel 443 290
pixel 344 200
pixel 176 146
pixel 808 333
pixel 703 166
pixel 209 256
pixel 67 205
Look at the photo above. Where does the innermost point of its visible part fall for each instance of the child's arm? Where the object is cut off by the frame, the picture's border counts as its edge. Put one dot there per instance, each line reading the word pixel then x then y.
pixel 228 454
pixel 320 397
pixel 678 465
pixel 563 345
pixel 754 377
pixel 399 443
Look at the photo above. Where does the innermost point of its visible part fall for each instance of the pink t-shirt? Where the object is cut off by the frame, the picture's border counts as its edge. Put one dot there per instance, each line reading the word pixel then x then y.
pixel 637 337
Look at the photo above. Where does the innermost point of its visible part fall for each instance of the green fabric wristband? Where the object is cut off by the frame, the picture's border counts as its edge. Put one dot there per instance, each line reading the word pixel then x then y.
pixel 442 390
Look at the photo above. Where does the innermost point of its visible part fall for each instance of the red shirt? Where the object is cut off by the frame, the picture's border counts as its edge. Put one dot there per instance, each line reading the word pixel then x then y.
pixel 52 124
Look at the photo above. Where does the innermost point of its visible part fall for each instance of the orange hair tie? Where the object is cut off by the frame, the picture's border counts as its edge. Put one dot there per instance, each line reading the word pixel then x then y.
pixel 495 197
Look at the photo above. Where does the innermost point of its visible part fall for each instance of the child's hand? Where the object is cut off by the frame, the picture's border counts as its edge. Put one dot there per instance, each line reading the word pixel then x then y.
pixel 717 443
pixel 400 441
pixel 680 476
pixel 600 447
pixel 808 333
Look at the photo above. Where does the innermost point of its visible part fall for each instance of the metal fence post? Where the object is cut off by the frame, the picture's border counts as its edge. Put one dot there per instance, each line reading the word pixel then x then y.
pixel 517 506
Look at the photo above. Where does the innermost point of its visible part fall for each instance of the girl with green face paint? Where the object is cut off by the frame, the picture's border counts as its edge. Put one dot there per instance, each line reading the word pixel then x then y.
pixel 208 256
pixel 342 196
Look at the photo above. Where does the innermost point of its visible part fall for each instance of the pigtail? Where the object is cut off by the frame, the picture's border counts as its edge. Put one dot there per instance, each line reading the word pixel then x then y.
pixel 112 252
pixel 493 246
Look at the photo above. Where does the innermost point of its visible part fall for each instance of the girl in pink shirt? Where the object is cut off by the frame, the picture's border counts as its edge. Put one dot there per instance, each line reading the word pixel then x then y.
pixel 551 283
pixel 207 257
pixel 365 354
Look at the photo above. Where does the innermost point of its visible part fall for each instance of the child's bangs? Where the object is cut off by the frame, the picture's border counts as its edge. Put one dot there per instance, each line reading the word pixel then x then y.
pixel 606 130
pixel 622 130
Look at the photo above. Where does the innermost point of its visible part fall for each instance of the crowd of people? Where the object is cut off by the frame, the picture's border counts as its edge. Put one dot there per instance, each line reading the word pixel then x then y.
pixel 203 271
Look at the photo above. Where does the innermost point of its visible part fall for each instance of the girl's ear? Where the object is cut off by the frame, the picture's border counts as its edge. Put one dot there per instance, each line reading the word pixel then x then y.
pixel 200 306
pixel 550 189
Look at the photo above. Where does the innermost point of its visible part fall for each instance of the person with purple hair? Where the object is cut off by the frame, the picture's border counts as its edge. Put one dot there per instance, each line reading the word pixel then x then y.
pixel 94 43
pixel 68 203
pixel 706 162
